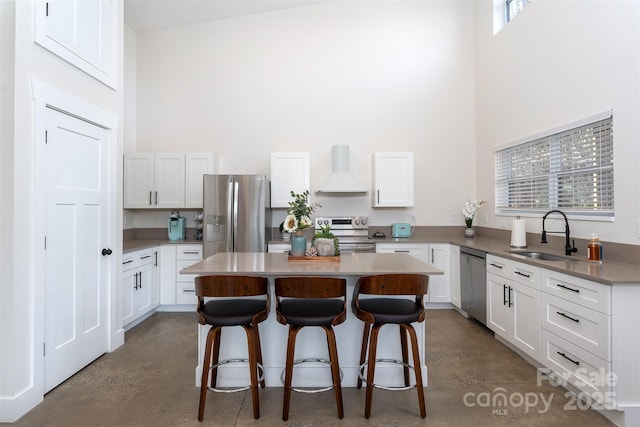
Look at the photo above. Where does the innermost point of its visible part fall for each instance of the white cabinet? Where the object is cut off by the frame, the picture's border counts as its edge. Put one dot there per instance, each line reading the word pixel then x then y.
pixel 435 254
pixel 392 180
pixel 576 326
pixel 454 275
pixel 156 277
pixel 289 172
pixel 137 285
pixel 513 299
pixel 178 289
pixel 196 165
pixel 167 181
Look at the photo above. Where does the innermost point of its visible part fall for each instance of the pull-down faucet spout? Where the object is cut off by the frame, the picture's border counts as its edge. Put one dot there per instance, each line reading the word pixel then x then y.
pixel 569 248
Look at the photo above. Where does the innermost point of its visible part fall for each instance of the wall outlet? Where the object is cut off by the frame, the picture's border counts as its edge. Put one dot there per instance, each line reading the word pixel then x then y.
pixel 453 218
pixel 485 218
pixel 503 224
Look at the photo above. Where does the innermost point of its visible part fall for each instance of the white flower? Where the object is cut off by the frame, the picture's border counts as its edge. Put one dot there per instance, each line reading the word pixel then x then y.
pixel 471 207
pixel 290 223
pixel 304 222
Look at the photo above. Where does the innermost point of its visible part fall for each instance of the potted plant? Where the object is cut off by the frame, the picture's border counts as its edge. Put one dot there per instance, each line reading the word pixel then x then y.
pixel 326 243
pixel 298 218
pixel 469 211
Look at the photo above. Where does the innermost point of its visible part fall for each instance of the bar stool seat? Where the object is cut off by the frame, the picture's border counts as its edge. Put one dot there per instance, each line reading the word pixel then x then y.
pixel 311 301
pixel 239 307
pixel 377 312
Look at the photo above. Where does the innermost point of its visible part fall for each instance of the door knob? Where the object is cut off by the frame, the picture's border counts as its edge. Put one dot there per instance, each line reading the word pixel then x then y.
pixel 106 251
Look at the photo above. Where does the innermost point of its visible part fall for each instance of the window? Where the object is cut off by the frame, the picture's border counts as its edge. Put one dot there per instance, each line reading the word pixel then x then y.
pixel 513 7
pixel 569 169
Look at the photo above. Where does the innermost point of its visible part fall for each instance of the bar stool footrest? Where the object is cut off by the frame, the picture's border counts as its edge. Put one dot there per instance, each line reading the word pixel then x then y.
pixel 315 390
pixel 235 390
pixel 384 387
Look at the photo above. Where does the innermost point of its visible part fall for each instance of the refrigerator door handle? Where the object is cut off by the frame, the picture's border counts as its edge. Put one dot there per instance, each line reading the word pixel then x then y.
pixel 236 189
pixel 230 214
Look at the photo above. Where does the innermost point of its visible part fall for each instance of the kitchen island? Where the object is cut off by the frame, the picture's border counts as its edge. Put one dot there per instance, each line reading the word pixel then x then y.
pixel 311 341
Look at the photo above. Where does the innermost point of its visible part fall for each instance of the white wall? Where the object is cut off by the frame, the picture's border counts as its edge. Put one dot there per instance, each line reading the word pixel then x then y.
pixel 558 62
pixel 378 76
pixel 22 327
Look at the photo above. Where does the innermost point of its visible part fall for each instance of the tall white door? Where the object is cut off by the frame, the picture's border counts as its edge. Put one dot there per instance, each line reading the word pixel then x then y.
pixel 76 271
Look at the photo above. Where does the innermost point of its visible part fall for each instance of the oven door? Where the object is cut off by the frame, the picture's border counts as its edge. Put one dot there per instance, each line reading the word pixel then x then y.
pixel 350 248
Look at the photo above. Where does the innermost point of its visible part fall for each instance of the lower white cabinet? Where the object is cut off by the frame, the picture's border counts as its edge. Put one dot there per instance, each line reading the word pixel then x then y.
pixel 435 254
pixel 178 289
pixel 454 276
pixel 278 247
pixel 137 285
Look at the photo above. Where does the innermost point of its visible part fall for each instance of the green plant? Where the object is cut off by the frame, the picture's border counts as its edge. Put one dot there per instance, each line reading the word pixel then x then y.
pixel 325 233
pixel 299 212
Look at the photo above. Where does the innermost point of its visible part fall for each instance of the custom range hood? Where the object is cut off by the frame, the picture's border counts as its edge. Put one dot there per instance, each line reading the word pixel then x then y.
pixel 341 180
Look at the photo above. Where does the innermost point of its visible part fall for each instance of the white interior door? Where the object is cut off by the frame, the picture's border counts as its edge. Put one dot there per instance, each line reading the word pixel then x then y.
pixel 76 272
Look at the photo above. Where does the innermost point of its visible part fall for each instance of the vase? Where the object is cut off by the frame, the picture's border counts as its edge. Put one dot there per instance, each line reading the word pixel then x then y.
pixel 469 232
pixel 325 246
pixel 298 244
pixel 286 235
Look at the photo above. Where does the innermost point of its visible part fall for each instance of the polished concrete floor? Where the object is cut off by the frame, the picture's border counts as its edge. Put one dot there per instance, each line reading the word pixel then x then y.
pixel 149 381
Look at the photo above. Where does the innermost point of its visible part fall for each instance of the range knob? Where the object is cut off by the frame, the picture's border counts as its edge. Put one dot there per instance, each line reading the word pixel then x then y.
pixel 326 222
pixel 363 221
pixel 357 221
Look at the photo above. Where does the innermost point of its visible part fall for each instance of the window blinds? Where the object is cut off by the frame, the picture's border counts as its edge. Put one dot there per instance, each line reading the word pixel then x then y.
pixel 571 170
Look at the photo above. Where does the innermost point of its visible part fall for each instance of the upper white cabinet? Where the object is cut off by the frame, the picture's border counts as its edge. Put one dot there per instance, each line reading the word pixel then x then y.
pixel 197 164
pixel 392 180
pixel 289 172
pixel 83 33
pixel 169 181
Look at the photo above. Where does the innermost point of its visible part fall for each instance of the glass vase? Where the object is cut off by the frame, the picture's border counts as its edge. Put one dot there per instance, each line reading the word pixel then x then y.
pixel 298 244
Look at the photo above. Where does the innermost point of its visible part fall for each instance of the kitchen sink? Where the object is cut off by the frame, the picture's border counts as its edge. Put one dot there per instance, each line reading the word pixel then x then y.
pixel 541 256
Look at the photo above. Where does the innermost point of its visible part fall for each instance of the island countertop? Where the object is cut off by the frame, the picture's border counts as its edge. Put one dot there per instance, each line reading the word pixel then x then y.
pixel 272 264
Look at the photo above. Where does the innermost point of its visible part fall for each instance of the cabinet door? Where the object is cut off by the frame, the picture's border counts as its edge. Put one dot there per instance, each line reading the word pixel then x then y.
pixel 142 292
pixel 498 311
pixel 168 274
pixel 156 278
pixel 169 178
pixel 197 164
pixel 289 172
pixel 138 181
pixel 392 180
pixel 129 281
pixel 526 319
pixel 278 247
pixel 454 276
pixel 440 286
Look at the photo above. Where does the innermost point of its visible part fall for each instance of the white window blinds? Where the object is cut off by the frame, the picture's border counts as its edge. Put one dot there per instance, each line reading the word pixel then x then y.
pixel 571 170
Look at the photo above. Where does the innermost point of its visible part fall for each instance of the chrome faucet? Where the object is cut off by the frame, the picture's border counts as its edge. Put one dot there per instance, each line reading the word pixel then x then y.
pixel 569 247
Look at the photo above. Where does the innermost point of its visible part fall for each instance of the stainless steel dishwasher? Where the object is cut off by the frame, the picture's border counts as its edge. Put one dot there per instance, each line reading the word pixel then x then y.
pixel 473 283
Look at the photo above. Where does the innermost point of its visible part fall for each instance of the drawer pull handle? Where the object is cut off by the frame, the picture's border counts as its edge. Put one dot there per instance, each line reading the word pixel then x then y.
pixel 188 290
pixel 568 317
pixel 145 257
pixel 560 285
pixel 191 252
pixel 575 362
pixel 127 261
pixel 399 251
pixel 496 266
pixel 522 274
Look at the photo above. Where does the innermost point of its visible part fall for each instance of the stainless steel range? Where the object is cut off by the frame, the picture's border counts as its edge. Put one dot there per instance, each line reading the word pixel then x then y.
pixel 352 233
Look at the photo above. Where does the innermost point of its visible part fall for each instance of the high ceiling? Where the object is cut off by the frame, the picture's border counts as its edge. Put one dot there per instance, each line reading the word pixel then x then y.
pixel 151 15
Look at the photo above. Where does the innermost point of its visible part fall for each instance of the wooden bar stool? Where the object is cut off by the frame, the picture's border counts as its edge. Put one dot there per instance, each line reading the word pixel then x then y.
pixel 311 301
pixel 376 312
pixel 238 308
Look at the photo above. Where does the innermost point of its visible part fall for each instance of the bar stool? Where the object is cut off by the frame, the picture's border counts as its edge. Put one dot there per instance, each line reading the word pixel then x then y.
pixel 377 312
pixel 238 308
pixel 311 301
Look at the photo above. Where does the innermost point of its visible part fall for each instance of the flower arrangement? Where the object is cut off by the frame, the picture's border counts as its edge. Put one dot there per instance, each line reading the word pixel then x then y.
pixel 299 212
pixel 470 209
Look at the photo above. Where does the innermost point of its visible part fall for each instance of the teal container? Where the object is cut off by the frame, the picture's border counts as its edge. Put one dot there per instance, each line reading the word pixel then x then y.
pixel 298 245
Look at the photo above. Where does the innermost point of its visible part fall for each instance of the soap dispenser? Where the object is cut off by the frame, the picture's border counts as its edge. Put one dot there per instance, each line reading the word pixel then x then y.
pixel 594 249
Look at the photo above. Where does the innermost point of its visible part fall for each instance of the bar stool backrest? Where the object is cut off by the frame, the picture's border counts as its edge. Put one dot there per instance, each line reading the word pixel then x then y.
pixel 391 284
pixel 231 286
pixel 312 287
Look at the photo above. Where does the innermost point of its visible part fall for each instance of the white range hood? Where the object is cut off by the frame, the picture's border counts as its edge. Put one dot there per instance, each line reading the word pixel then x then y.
pixel 341 180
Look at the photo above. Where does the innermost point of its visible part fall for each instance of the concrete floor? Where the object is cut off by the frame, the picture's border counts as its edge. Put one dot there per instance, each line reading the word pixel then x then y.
pixel 149 381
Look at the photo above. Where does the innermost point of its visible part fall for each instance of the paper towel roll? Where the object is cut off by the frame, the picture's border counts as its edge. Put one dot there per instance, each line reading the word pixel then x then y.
pixel 519 233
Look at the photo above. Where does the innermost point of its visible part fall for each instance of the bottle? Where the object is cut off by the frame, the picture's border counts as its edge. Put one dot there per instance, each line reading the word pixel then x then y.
pixel 594 249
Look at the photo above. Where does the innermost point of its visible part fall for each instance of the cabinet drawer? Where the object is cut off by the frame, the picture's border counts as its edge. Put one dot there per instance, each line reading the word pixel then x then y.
pixel 578 367
pixel 583 292
pixel 189 252
pixel 514 270
pixel 186 293
pixel 180 264
pixel 136 259
pixel 581 326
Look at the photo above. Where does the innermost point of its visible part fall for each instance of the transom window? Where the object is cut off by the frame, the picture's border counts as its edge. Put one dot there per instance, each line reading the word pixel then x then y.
pixel 570 169
pixel 513 7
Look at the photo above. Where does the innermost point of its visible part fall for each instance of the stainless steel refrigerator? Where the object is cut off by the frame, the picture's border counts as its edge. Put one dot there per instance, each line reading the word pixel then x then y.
pixel 237 213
